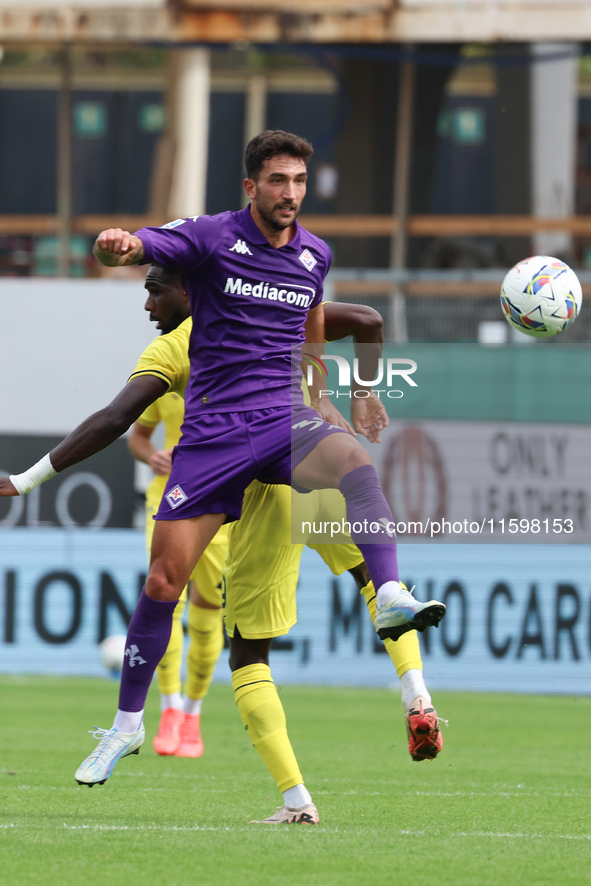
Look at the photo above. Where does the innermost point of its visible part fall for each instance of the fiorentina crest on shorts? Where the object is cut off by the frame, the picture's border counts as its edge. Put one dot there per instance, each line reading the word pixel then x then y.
pixel 176 496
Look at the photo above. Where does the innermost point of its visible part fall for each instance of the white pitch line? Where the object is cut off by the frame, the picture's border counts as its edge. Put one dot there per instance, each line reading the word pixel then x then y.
pixel 509 793
pixel 497 835
pixel 148 827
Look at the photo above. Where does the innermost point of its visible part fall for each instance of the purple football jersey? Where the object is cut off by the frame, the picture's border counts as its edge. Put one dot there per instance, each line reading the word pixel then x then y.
pixel 249 304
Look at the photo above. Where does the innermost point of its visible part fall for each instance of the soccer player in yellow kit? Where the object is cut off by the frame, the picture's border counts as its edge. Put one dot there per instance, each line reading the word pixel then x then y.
pixel 260 602
pixel 179 732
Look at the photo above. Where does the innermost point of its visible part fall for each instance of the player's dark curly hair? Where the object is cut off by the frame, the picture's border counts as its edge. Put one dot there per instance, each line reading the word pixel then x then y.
pixel 271 142
pixel 169 272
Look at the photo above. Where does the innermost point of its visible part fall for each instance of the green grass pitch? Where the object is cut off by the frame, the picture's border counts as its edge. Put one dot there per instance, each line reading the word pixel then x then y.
pixel 507 802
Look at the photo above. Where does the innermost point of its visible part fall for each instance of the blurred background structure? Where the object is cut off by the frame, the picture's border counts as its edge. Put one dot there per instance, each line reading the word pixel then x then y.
pixel 452 139
pixel 448 136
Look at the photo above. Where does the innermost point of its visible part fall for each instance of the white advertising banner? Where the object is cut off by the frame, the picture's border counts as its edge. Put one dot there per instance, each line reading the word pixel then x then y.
pixel 512 6
pixel 518 619
pixel 83 340
pixel 500 482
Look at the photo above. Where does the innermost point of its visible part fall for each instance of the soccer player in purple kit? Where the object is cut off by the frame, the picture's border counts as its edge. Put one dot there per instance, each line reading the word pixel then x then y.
pixel 255 281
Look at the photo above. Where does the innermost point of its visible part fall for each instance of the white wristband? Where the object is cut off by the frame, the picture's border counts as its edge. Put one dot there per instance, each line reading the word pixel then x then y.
pixel 35 476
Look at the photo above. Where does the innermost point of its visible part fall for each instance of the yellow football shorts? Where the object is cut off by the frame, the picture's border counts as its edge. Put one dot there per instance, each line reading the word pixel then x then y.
pixel 262 568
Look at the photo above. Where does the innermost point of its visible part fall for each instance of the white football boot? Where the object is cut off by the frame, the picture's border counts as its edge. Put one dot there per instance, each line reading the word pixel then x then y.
pixel 112 746
pixel 403 613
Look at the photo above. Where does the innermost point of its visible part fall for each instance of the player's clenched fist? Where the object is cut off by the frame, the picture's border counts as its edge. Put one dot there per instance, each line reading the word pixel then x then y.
pixel 115 247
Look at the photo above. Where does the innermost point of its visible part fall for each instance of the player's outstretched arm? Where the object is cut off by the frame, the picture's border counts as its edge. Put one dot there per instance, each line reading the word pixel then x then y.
pixel 366 327
pixel 6 487
pixel 93 434
pixel 115 247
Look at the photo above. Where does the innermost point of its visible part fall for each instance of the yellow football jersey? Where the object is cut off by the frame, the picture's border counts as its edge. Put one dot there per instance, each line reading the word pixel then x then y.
pixel 167 357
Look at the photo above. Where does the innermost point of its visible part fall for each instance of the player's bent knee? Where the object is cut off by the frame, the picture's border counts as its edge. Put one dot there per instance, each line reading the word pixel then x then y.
pixel 160 586
pixel 353 457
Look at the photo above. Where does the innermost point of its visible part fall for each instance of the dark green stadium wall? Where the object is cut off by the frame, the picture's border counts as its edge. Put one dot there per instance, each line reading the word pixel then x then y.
pixel 541 382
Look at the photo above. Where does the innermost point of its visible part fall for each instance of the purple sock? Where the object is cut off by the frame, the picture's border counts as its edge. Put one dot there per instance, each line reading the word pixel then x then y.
pixel 147 638
pixel 367 506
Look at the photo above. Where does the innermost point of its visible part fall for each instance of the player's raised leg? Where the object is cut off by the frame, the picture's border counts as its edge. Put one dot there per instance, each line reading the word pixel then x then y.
pixel 424 737
pixel 339 461
pixel 422 723
pixel 176 547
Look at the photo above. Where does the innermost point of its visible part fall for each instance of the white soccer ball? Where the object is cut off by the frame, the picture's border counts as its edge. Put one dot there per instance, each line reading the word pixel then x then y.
pixel 541 296
pixel 112 652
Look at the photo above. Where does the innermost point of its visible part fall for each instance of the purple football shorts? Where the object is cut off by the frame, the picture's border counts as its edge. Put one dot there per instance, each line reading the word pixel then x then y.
pixel 221 453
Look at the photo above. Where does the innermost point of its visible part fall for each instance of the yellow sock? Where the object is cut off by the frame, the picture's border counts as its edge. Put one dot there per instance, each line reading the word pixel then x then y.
pixel 264 718
pixel 207 641
pixel 169 669
pixel 404 652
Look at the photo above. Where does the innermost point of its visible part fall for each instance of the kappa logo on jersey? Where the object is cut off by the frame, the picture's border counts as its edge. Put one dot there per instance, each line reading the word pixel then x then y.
pixel 241 248
pixel 176 497
pixel 134 658
pixel 175 223
pixel 307 259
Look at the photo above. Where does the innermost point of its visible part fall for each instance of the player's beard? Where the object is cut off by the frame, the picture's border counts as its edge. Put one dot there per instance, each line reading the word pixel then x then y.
pixel 173 322
pixel 274 223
